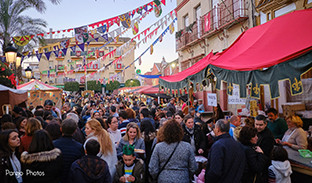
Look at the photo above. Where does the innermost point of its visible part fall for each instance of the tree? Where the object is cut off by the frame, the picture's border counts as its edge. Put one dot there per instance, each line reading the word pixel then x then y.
pixel 40 4
pixel 71 86
pixel 132 83
pixel 13 23
pixel 6 75
pixel 112 85
pixel 94 85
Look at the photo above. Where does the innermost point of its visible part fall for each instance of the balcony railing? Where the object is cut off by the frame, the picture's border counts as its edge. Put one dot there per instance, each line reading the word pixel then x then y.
pixel 224 14
pixel 219 17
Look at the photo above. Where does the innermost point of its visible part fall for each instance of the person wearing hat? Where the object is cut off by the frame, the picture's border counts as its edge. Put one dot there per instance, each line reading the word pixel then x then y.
pixel 130 168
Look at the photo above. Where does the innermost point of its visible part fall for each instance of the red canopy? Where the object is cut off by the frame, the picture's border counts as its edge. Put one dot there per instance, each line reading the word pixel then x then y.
pixel 198 66
pixel 274 42
pixel 152 90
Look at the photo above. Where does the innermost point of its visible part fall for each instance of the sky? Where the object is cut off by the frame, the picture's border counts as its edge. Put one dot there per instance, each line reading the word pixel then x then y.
pixel 76 13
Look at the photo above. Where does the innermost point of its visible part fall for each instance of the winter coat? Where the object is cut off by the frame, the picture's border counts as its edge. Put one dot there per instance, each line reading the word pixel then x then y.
pixel 199 137
pixel 71 151
pixel 266 141
pixel 280 171
pixel 43 166
pixel 181 165
pixel 255 165
pixel 111 158
pixel 226 161
pixel 89 169
pixel 137 172
pixel 5 165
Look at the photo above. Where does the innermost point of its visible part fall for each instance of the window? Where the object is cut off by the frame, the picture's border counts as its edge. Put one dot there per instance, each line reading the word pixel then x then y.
pixel 186 21
pixel 198 15
pixel 110 48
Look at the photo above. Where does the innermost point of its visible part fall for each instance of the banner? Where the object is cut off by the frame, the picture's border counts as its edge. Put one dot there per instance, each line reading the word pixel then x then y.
pixel 22 40
pixel 81 34
pixel 207 22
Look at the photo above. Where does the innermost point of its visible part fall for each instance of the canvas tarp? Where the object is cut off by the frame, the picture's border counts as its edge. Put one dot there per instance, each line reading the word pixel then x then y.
pixel 277 50
pixel 11 96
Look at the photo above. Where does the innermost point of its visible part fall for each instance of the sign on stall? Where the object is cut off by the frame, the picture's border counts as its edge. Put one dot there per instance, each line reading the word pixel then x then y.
pixel 212 99
pixel 235 98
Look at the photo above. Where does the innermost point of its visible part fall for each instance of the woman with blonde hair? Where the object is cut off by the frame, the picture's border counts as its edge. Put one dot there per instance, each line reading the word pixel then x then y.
pixel 95 131
pixel 32 125
pixel 132 137
pixel 295 137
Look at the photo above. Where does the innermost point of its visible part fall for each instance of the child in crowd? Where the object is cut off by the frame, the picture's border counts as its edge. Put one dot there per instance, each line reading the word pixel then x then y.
pixel 129 169
pixel 90 168
pixel 280 170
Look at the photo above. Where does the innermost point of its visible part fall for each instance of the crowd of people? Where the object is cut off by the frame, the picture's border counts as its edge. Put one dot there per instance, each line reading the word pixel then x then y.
pixel 122 139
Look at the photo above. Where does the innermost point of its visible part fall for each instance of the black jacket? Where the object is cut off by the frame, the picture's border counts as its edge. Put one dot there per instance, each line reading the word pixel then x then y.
pixel 226 161
pixel 89 169
pixel 71 151
pixel 5 165
pixel 199 137
pixel 41 167
pixel 266 141
pixel 255 165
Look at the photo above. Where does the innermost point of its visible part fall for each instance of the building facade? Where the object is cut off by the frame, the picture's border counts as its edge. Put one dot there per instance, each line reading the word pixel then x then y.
pixel 210 26
pixel 57 69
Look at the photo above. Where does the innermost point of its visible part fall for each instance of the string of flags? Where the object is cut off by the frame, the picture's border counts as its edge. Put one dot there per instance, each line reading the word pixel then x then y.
pixel 169 28
pixel 103 25
pixel 160 23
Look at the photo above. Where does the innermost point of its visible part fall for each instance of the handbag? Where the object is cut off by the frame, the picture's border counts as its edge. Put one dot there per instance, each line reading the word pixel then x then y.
pixel 162 168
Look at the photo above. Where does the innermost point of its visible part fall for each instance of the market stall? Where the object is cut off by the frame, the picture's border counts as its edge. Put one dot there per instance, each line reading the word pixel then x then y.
pixel 10 98
pixel 38 92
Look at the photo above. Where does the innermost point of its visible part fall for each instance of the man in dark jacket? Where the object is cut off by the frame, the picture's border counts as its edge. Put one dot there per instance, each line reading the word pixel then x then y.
pixel 226 160
pixel 265 142
pixel 71 149
pixel 90 168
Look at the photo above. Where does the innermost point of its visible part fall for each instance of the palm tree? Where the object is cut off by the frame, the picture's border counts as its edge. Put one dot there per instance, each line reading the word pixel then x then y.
pixel 40 4
pixel 13 23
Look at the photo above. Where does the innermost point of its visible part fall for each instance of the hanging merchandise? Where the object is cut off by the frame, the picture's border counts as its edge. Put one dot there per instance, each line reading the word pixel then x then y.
pixel 81 34
pixel 135 28
pixel 125 20
pixel 22 40
pixel 157 8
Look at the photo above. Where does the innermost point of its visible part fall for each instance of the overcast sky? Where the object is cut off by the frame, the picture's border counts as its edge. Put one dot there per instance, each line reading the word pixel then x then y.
pixel 76 13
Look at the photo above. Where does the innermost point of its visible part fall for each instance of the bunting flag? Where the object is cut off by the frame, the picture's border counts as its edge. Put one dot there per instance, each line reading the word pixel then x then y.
pixel 140 61
pixel 152 49
pixel 48 54
pixel 73 48
pixel 64 43
pixel 157 8
pixel 39 55
pixel 56 53
pixel 81 46
pixel 81 34
pixel 164 2
pixel 135 28
pixel 102 29
pixel 22 40
pixel 125 20
pixel 64 50
pixel 105 36
pixel 171 28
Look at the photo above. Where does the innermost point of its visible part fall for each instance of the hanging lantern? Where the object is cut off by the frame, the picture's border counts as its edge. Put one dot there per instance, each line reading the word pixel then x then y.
pixel 10 53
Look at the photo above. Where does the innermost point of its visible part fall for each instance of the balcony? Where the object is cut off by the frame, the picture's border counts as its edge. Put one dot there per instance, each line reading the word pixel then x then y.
pixel 222 16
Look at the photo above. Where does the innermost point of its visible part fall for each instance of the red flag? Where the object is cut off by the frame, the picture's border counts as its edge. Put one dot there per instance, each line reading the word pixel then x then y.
pixel 164 2
pixel 207 22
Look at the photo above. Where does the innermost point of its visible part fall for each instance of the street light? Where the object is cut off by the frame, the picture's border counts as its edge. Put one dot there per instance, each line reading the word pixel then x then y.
pixel 173 65
pixel 10 53
pixel 18 59
pixel 28 72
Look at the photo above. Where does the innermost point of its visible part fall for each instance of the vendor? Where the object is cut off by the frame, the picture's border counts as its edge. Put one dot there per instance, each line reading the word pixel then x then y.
pixel 295 137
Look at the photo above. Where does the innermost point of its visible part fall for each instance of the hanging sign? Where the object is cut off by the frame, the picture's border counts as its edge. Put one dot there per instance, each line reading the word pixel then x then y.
pixel 235 98
pixel 212 99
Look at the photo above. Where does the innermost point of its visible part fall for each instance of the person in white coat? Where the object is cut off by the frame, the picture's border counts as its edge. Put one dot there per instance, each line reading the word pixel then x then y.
pixel 280 170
